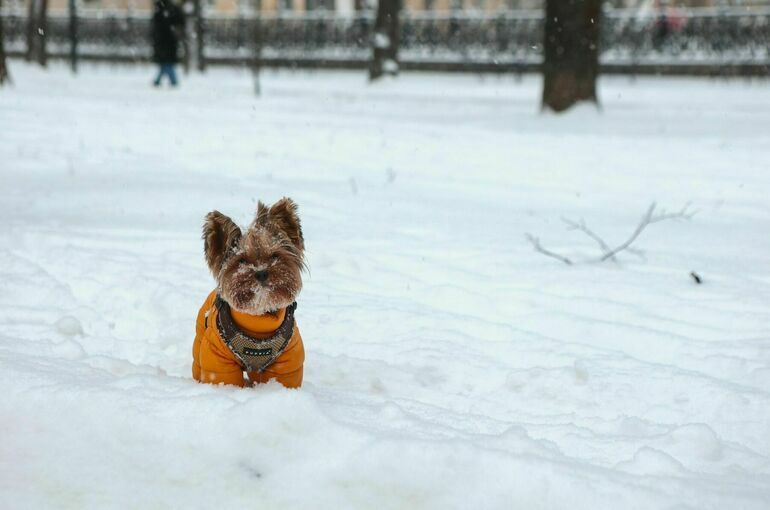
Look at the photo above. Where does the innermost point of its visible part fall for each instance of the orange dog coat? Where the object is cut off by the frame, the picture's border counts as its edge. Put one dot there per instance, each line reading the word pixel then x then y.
pixel 214 362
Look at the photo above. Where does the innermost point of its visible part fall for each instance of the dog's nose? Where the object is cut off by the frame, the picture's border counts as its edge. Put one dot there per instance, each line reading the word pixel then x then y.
pixel 261 276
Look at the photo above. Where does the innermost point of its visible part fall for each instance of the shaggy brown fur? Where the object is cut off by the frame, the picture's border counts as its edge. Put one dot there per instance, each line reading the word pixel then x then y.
pixel 258 271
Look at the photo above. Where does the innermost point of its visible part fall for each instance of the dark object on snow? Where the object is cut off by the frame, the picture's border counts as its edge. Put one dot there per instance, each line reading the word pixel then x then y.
pixel 571 64
pixel 696 277
pixel 167 29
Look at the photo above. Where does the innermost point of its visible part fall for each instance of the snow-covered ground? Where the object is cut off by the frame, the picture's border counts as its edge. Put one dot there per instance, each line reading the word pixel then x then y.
pixel 449 365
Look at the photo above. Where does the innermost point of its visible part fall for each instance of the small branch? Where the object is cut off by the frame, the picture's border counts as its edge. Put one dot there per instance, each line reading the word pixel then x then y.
pixel 582 227
pixel 682 214
pixel 642 224
pixel 539 248
pixel 650 216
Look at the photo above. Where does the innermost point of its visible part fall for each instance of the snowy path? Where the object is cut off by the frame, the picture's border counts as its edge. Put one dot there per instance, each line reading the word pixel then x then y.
pixel 449 365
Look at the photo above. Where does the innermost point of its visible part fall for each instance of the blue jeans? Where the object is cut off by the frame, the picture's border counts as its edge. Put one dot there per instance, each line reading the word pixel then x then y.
pixel 168 70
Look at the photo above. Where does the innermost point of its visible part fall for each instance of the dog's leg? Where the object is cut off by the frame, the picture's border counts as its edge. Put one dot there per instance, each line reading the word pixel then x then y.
pixel 217 364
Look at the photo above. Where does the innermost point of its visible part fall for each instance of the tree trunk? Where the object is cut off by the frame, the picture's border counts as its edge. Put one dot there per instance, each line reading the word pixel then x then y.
pixel 42 56
pixel 256 66
pixel 4 76
pixel 185 40
pixel 31 17
pixel 37 27
pixel 571 65
pixel 199 30
pixel 73 8
pixel 385 40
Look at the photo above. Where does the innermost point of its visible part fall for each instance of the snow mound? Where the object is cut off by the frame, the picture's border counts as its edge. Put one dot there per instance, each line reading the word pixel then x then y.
pixel 69 326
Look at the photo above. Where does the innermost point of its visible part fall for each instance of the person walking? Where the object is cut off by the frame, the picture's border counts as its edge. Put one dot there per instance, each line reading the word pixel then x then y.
pixel 167 27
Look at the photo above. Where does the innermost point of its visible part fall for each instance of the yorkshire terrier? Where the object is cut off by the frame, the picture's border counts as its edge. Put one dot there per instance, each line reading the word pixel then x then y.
pixel 247 325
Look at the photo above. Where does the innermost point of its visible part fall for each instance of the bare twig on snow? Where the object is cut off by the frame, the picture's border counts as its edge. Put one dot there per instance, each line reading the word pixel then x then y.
pixel 649 217
pixel 582 227
pixel 539 248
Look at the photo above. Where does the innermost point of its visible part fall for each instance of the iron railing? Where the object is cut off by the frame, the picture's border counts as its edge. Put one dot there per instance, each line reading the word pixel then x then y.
pixel 716 40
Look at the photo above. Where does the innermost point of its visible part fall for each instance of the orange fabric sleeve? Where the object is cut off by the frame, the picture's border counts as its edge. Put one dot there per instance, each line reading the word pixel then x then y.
pixel 212 363
pixel 200 328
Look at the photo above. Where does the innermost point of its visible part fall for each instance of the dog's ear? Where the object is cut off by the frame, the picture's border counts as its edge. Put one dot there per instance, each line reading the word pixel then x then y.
pixel 283 214
pixel 261 217
pixel 220 236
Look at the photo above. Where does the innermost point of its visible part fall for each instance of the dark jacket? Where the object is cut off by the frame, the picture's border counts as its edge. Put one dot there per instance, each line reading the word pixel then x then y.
pixel 167 28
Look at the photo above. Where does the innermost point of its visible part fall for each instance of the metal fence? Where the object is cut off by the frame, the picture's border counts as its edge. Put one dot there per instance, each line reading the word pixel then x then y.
pixel 697 41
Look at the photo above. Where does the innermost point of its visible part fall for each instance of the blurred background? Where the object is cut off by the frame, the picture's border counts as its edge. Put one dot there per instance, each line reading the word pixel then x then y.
pixel 676 37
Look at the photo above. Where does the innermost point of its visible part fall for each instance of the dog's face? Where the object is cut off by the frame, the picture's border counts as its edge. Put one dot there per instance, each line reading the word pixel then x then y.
pixel 257 271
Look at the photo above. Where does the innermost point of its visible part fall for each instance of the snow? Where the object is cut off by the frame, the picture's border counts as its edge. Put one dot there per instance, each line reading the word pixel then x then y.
pixel 448 364
pixel 390 66
pixel 381 40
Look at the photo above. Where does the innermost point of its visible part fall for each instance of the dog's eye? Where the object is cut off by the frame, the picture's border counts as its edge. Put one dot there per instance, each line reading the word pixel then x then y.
pixel 274 259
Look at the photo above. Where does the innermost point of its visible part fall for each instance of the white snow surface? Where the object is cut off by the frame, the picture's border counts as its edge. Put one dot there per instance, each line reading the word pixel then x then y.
pixel 448 365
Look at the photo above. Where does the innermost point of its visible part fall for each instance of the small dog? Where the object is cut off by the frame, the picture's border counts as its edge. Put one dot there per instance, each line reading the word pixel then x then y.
pixel 247 323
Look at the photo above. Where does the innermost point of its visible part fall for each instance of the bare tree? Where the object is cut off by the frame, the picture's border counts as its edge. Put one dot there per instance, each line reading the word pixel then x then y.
pixel 199 33
pixel 4 75
pixel 256 67
pixel 571 64
pixel 31 9
pixel 385 40
pixel 608 253
pixel 37 28
pixel 73 33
